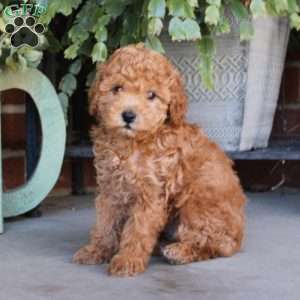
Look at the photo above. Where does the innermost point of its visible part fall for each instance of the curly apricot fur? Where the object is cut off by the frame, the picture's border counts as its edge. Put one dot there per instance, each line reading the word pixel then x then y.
pixel 158 170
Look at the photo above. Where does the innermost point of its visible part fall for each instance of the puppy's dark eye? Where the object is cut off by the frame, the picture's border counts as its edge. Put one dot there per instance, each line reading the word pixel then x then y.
pixel 151 95
pixel 116 89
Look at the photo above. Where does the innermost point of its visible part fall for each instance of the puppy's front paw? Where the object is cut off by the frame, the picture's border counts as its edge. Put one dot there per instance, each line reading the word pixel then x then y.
pixel 122 265
pixel 89 255
pixel 178 253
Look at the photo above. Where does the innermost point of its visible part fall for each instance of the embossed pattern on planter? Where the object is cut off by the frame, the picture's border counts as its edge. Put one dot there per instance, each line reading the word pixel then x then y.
pixel 218 112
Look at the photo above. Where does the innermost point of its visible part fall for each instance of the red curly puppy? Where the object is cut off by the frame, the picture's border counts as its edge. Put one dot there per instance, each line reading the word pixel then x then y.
pixel 154 169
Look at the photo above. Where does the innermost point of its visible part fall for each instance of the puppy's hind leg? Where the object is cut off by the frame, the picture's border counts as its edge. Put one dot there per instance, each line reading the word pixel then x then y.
pixel 204 233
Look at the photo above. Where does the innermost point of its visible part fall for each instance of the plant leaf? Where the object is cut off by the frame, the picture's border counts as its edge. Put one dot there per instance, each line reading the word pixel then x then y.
pixel 101 34
pixel 293 6
pixel 157 8
pixel 271 8
pixel 72 51
pixel 295 21
pixel 75 67
pixel 2 25
pixel 11 63
pixel 114 8
pixel 155 26
pixel 184 29
pixel 206 71
pixel 239 10
pixel 32 56
pixel 224 25
pixel 246 30
pixel 64 100
pixel 99 52
pixel 258 8
pixel 206 48
pixel 153 42
pixel 22 63
pixel 193 3
pixel 101 22
pixel 281 6
pixel 179 8
pixel 214 2
pixel 68 84
pixel 64 7
pixel 176 29
pixel 212 15
pixel 78 34
pixel 191 29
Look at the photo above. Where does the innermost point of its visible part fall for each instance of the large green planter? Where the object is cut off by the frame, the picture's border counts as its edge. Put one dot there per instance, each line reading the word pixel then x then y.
pixel 28 196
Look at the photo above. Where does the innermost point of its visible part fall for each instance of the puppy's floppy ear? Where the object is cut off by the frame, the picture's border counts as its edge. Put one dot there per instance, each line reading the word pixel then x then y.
pixel 94 92
pixel 178 104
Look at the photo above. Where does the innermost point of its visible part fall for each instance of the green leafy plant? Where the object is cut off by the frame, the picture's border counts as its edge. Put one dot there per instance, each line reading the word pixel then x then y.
pixel 94 28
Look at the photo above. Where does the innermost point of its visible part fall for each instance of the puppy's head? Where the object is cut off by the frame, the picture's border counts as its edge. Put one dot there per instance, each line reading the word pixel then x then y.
pixel 137 91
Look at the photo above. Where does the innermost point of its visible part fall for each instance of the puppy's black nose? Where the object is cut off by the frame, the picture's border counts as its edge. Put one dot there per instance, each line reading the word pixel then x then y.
pixel 128 116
